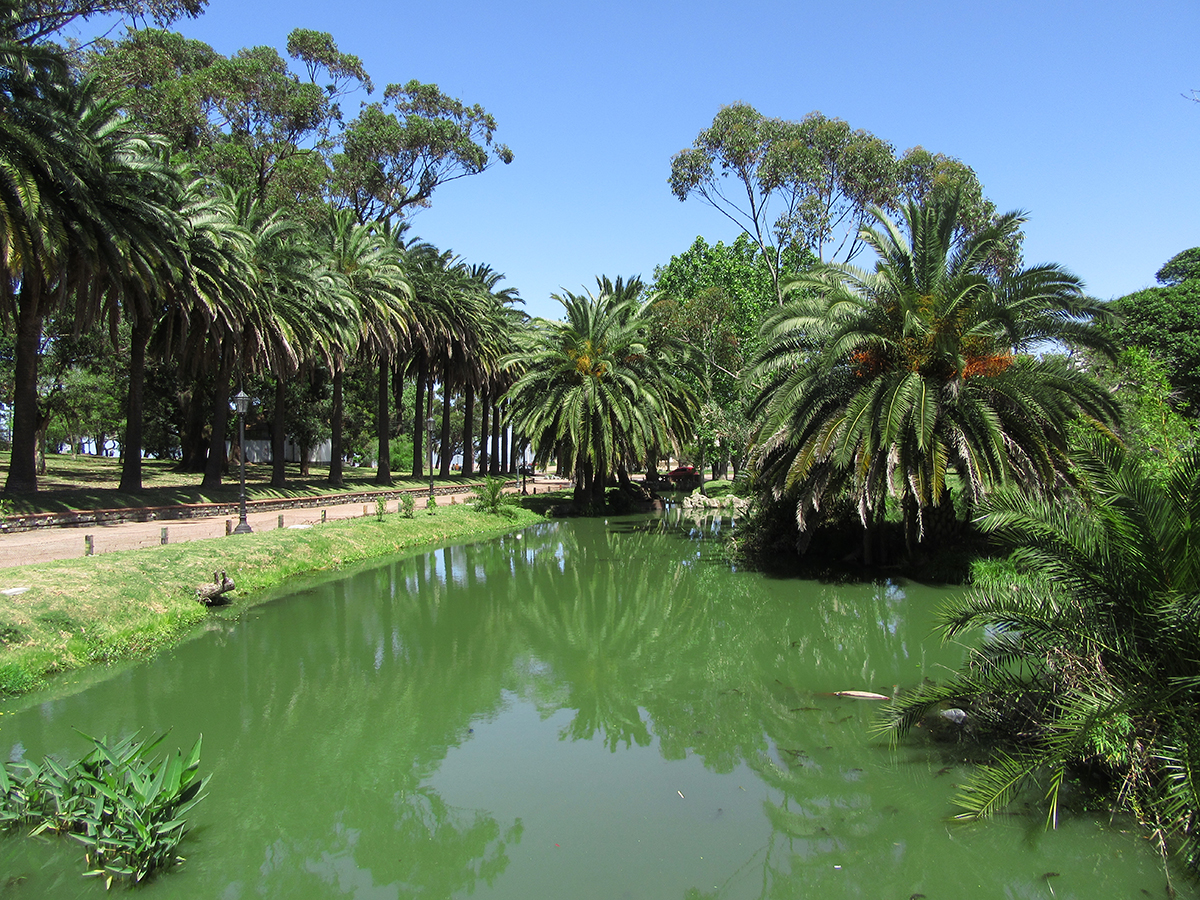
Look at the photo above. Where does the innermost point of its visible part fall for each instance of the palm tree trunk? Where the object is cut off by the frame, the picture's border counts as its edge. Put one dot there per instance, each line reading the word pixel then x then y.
pixel 220 418
pixel 468 465
pixel 494 457
pixel 484 411
pixel 505 442
pixel 398 396
pixel 445 455
pixel 278 463
pixel 195 416
pixel 383 424
pixel 418 467
pixel 335 426
pixel 22 469
pixel 131 464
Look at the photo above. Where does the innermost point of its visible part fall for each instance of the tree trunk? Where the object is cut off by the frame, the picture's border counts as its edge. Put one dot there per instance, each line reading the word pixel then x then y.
pixel 22 469
pixel 398 396
pixel 445 455
pixel 485 409
pixel 494 456
pixel 468 465
pixel 278 462
pixel 336 452
pixel 505 442
pixel 220 419
pixel 193 444
pixel 131 467
pixel 418 466
pixel 383 423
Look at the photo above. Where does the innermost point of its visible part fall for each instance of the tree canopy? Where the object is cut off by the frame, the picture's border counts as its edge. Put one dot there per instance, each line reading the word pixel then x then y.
pixel 812 183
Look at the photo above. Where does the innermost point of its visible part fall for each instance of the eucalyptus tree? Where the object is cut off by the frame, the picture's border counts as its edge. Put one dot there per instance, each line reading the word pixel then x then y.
pixel 600 386
pixel 37 21
pixel 881 382
pixel 811 184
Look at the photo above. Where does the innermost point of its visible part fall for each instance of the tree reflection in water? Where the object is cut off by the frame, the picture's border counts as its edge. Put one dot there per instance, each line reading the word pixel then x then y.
pixel 329 720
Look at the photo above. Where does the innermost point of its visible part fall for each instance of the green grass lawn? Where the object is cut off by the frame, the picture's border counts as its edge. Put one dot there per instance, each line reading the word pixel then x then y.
pixel 76 482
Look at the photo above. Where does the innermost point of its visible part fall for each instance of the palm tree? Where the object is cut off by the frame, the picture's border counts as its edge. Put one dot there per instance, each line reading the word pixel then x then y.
pixel 594 386
pixel 881 382
pixel 87 213
pixel 1089 656
pixel 368 262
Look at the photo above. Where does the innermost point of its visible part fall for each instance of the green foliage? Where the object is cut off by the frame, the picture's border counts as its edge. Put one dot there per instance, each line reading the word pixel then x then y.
pixel 396 153
pixel 1152 426
pixel 1165 321
pixel 1181 267
pixel 380 509
pixel 885 382
pixel 603 388
pixel 1088 659
pixel 125 807
pixel 431 503
pixel 813 183
pixel 407 505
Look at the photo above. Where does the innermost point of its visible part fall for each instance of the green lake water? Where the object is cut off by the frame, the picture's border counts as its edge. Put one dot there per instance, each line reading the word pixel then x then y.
pixel 588 709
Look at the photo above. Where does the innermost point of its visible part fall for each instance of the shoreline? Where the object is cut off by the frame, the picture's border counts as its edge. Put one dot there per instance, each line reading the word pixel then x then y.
pixel 68 614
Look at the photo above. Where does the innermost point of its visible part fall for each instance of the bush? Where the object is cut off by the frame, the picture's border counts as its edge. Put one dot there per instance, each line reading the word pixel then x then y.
pixel 407 505
pixel 380 509
pixel 491 498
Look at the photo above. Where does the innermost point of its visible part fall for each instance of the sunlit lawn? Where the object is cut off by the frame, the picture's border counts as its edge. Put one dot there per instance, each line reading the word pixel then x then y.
pixel 74 481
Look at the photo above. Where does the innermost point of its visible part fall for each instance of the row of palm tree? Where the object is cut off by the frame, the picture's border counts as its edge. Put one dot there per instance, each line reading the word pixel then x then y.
pixel 94 212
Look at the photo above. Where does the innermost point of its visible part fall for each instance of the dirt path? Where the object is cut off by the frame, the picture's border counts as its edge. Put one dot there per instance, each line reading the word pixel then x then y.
pixel 48 544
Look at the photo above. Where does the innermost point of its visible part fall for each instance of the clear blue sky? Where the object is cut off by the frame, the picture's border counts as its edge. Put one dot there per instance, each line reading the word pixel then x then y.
pixel 1071 111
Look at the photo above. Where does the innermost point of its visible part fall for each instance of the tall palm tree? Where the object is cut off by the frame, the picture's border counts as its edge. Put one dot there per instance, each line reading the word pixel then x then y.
pixel 1089 651
pixel 91 217
pixel 598 386
pixel 881 382
pixel 368 262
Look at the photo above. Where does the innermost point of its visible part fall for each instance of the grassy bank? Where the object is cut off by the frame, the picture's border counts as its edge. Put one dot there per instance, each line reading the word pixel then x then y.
pixel 131 604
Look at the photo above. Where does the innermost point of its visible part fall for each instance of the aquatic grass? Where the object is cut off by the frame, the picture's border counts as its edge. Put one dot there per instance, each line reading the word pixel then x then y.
pixel 132 604
pixel 126 808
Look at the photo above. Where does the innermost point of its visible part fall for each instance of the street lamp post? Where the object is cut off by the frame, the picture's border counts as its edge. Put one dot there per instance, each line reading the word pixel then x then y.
pixel 429 441
pixel 242 402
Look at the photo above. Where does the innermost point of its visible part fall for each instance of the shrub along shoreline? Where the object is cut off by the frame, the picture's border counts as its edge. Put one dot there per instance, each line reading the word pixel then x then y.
pixel 132 604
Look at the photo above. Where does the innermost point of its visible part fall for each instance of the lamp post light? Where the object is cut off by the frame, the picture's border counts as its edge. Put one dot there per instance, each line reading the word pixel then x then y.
pixel 241 402
pixel 429 441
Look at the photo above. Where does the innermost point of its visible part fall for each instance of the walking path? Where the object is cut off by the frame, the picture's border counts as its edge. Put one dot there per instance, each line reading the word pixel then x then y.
pixel 68 542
